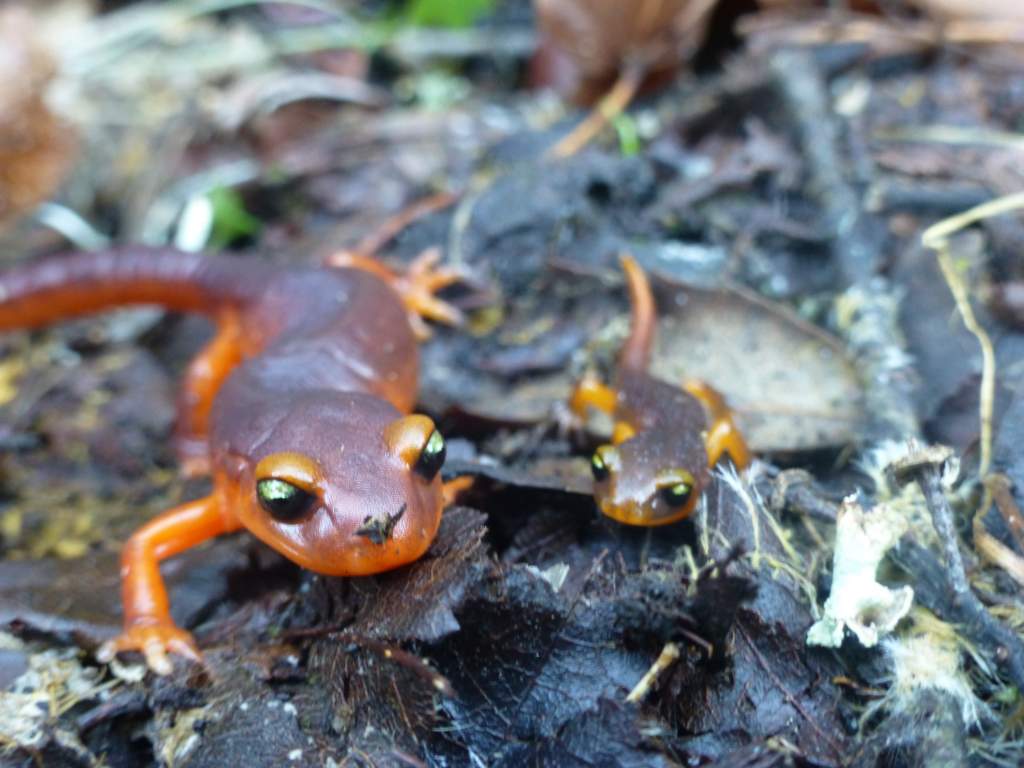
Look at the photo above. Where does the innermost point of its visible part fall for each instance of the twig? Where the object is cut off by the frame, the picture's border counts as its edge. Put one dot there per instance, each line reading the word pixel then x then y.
pixel 953 135
pixel 668 656
pixel 999 486
pixel 924 198
pixel 610 107
pixel 856 237
pixel 373 243
pixel 869 304
pixel 794 490
pixel 924 465
pixel 958 288
pixel 880 36
pixel 989 547
pixel 997 553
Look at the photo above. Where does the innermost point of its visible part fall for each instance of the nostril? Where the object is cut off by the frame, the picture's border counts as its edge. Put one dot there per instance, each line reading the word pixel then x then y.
pixel 378 529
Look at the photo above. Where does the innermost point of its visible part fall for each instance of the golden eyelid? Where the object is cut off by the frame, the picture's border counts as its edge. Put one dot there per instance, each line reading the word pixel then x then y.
pixel 405 437
pixel 295 468
pixel 622 432
pixel 673 477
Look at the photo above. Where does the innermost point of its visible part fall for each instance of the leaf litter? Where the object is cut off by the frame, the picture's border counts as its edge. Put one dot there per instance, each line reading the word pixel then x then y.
pixel 780 209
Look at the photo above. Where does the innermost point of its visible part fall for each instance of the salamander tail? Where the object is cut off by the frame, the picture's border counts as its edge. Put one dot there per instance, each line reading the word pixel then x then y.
pixel 636 352
pixel 62 287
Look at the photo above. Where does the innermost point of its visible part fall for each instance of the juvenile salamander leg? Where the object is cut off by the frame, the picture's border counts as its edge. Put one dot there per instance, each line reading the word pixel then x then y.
pixel 148 626
pixel 452 489
pixel 202 379
pixel 723 436
pixel 417 286
pixel 591 393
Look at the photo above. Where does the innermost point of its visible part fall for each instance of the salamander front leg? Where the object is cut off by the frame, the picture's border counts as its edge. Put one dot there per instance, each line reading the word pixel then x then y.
pixel 591 393
pixel 148 626
pixel 452 489
pixel 417 286
pixel 723 436
pixel 203 378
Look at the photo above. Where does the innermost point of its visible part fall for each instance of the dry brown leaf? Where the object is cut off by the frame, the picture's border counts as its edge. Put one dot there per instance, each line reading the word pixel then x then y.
pixel 35 146
pixel 790 383
pixel 602 38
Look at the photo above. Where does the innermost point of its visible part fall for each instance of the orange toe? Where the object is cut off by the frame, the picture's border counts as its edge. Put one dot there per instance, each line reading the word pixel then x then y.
pixel 417 286
pixel 154 642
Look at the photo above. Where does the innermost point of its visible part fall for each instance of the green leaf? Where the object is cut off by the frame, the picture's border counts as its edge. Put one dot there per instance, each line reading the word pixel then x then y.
pixel 231 221
pixel 629 137
pixel 446 13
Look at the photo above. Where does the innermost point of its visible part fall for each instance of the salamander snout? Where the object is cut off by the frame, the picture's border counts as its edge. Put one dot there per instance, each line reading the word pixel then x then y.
pixel 355 491
pixel 635 488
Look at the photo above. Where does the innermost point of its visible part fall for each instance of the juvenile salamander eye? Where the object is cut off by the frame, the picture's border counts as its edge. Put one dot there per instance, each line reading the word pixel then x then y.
pixel 283 501
pixel 598 468
pixel 431 457
pixel 676 495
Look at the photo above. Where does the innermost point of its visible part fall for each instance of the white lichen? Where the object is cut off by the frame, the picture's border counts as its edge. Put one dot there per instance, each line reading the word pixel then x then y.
pixel 858 602
pixel 30 708
pixel 929 656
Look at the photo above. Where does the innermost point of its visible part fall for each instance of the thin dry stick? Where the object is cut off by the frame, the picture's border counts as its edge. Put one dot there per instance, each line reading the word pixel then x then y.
pixel 883 37
pixel 373 243
pixel 612 105
pixel 997 553
pixel 936 237
pixel 979 625
pixel 999 485
pixel 665 659
pixel 953 135
pixel 957 286
pixel 988 545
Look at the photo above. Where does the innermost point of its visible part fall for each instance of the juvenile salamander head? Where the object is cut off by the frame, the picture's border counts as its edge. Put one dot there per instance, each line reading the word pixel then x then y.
pixel 639 482
pixel 344 485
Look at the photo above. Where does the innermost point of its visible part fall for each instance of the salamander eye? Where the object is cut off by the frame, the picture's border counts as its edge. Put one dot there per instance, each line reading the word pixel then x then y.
pixel 676 488
pixel 283 501
pixel 431 457
pixel 676 495
pixel 604 462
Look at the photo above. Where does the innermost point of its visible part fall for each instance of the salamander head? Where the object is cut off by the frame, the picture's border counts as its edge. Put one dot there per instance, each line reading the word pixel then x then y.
pixel 345 485
pixel 639 482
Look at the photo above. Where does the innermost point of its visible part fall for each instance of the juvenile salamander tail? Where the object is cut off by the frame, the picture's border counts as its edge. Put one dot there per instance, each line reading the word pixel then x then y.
pixel 636 352
pixel 62 287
